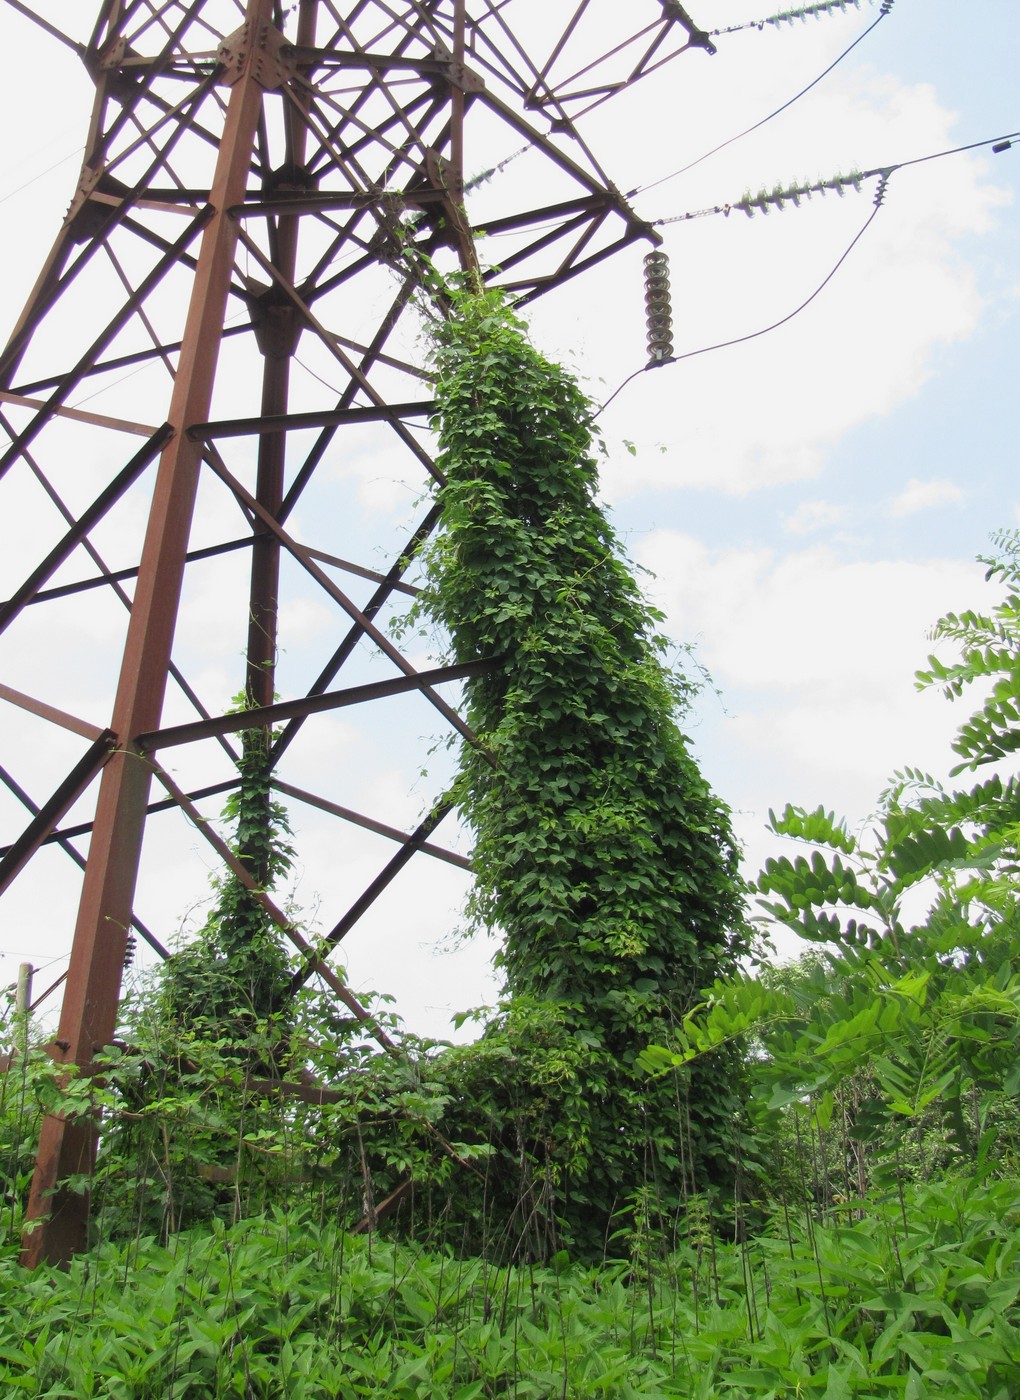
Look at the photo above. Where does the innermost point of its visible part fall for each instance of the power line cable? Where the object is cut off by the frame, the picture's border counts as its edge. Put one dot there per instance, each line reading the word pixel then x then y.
pixel 998 145
pixel 27 957
pixel 840 183
pixel 641 189
pixel 764 330
pixel 39 175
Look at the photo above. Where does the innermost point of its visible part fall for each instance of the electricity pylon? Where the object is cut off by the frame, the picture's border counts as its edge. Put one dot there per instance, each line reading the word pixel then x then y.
pixel 231 299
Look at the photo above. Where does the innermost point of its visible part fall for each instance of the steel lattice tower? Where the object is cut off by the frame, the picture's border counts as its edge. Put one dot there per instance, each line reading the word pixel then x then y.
pixel 234 286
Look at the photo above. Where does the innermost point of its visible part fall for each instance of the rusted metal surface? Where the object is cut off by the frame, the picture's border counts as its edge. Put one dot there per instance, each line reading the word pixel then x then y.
pixel 63 838
pixel 248 234
pixel 88 1014
pixel 267 716
pixel 371 824
pixel 21 851
pixel 78 726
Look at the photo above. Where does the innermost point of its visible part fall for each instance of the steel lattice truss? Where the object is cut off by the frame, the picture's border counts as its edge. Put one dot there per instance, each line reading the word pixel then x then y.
pixel 230 302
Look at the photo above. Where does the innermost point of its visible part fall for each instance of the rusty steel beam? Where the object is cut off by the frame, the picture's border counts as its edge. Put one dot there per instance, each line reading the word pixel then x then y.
pixel 70 380
pixel 52 280
pixel 138 357
pixel 568 274
pixel 66 795
pixel 318 967
pixel 266 716
pixel 372 608
pixel 278 326
pixel 57 1217
pixel 356 372
pixel 272 423
pixel 85 522
pixel 63 835
pixel 410 590
pixel 379 885
pixel 50 29
pixel 372 355
pixel 40 708
pixel 114 583
pixel 98 420
pixel 378 828
pixel 62 839
pixel 362 620
pixel 115 576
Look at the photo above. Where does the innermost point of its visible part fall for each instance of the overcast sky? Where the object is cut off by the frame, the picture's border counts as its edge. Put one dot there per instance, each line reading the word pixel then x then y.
pixel 809 501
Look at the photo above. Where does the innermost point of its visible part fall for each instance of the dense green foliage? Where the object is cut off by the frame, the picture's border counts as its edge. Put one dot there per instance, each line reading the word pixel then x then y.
pixel 602 859
pixel 878 1254
pixel 602 856
pixel 919 1299
pixel 235 968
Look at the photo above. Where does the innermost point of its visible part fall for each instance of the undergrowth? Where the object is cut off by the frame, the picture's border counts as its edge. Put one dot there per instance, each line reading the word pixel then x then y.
pixel 919 1299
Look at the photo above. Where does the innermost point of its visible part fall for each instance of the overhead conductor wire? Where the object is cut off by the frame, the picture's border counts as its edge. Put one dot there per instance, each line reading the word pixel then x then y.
pixel 884 174
pixel 640 189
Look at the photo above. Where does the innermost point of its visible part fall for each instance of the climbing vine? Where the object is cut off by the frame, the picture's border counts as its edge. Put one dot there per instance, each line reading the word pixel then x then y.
pixel 601 854
pixel 602 857
pixel 235 970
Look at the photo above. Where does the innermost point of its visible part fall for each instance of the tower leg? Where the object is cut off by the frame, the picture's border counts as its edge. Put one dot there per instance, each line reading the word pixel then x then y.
pixel 58 1217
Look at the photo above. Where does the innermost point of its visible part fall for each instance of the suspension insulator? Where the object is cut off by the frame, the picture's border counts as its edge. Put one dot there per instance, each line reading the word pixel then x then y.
pixel 129 950
pixel 658 307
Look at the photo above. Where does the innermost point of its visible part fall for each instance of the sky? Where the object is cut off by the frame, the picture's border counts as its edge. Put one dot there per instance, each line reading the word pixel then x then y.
pixel 806 503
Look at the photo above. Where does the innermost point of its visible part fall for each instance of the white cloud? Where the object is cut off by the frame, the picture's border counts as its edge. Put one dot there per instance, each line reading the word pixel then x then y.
pixel 813 515
pixel 924 495
pixel 815 656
